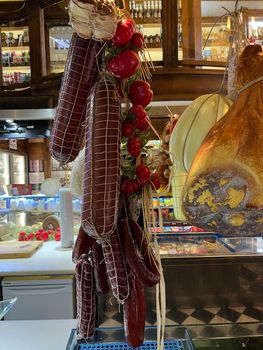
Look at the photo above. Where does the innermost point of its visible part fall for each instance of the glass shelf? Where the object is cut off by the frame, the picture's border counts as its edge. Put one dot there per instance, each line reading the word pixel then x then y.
pixel 5 306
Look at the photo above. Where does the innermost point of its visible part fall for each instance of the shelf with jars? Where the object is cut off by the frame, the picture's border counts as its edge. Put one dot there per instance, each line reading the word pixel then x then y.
pixel 215 41
pixel 15 55
pixel 148 17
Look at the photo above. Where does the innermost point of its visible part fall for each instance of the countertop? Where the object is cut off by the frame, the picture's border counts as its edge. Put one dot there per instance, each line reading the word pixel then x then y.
pixel 35 335
pixel 50 259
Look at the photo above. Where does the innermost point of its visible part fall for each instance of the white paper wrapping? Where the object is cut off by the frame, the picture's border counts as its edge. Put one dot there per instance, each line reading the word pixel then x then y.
pixel 66 217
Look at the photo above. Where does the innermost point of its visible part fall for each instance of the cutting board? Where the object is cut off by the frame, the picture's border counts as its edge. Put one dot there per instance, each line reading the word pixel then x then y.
pixel 23 249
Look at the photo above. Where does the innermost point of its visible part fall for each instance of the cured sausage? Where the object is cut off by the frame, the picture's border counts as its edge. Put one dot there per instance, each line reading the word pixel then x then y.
pixel 85 294
pixel 144 248
pixel 116 267
pixel 102 162
pixel 99 267
pixel 87 245
pixel 80 74
pixel 82 245
pixel 134 258
pixel 134 311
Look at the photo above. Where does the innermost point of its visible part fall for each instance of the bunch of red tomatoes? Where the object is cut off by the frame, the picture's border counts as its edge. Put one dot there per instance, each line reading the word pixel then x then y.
pixel 124 64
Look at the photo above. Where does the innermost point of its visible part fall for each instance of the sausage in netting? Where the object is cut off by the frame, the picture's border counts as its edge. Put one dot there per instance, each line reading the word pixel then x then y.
pixel 116 267
pixel 82 245
pixel 81 72
pixel 102 162
pixel 87 245
pixel 99 267
pixel 85 295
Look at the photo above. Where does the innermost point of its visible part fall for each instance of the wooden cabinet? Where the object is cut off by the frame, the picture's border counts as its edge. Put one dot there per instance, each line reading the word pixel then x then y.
pixel 175 33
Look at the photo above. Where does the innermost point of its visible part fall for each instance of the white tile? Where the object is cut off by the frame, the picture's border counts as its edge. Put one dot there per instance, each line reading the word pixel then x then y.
pixel 193 321
pixel 213 310
pixel 187 311
pixel 110 323
pixel 238 308
pixel 244 318
pixel 217 319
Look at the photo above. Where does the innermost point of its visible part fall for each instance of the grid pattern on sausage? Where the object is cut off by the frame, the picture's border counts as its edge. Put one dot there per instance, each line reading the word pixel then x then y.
pixel 81 72
pixel 85 294
pixel 116 268
pixel 102 162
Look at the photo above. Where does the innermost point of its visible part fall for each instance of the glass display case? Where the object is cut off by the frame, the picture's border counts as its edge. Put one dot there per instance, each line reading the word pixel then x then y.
pixel 148 17
pixel 191 245
pixel 15 55
pixel 28 213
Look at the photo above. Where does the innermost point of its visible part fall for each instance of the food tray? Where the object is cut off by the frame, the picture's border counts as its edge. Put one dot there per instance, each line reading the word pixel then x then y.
pixel 191 245
pixel 168 345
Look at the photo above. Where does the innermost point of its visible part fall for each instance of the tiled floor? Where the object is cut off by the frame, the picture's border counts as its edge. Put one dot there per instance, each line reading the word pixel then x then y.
pixel 233 315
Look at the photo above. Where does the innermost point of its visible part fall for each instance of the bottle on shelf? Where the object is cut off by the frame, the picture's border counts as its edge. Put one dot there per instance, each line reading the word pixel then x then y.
pixel 160 9
pixel 140 12
pixel 155 11
pixel 148 14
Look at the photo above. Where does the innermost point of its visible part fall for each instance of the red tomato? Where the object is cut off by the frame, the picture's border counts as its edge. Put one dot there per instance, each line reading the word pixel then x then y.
pixel 137 40
pixel 130 186
pixel 127 187
pixel 140 93
pixel 57 236
pixel 127 129
pixel 139 112
pixel 30 237
pixel 44 236
pixel 144 127
pixel 125 64
pixel 139 123
pixel 21 236
pixel 143 174
pixel 134 146
pixel 156 182
pixel 124 32
pixel 136 185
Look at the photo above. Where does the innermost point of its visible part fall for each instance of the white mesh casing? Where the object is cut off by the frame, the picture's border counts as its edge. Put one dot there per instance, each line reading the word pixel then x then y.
pixel 102 162
pixel 80 74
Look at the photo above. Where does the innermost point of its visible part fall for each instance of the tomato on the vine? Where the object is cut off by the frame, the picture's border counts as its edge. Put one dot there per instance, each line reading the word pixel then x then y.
pixel 130 186
pixel 134 146
pixel 127 129
pixel 127 187
pixel 143 174
pixel 137 40
pixel 125 64
pixel 139 112
pixel 140 93
pixel 124 32
pixel 144 127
